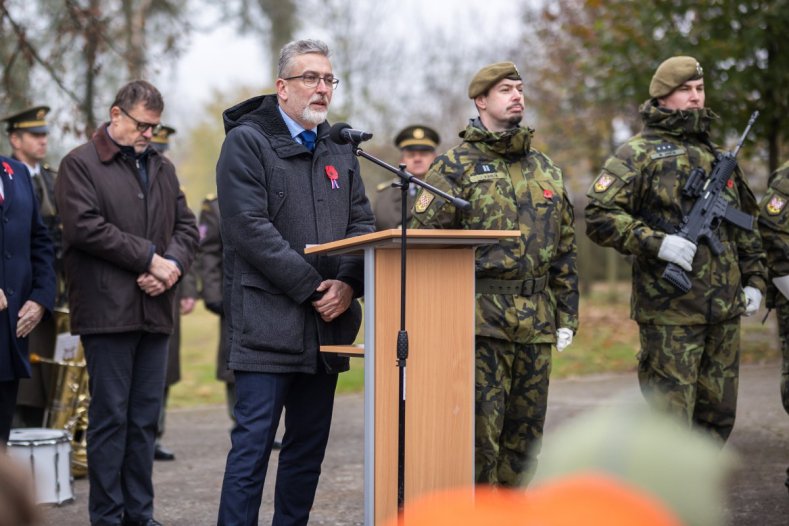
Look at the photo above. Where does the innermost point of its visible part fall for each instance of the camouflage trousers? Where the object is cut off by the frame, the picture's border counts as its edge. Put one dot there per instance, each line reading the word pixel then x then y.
pixel 782 312
pixel 511 402
pixel 692 371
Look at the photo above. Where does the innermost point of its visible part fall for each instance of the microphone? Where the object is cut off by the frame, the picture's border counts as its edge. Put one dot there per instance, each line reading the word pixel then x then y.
pixel 342 133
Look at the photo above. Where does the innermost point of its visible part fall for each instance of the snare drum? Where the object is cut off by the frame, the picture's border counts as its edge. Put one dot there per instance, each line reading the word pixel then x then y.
pixel 48 454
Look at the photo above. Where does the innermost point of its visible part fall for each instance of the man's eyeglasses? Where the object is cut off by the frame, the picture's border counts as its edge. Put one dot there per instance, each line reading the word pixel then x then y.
pixel 142 127
pixel 311 79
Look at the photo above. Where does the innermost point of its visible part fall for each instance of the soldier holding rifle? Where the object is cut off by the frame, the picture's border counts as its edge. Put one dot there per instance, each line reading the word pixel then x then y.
pixel 689 328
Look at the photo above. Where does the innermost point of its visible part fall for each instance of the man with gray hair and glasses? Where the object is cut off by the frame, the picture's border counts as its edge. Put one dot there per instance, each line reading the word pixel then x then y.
pixel 128 237
pixel 283 185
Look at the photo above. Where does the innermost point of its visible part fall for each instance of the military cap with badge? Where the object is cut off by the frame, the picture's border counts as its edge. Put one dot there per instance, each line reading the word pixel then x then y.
pixel 31 120
pixel 417 137
pixel 161 140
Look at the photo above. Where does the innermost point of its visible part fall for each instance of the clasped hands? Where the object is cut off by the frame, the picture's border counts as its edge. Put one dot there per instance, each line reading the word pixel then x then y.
pixel 29 315
pixel 336 299
pixel 161 276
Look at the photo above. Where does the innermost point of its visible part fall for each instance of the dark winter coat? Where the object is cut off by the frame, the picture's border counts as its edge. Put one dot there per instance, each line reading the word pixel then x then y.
pixel 111 227
pixel 275 198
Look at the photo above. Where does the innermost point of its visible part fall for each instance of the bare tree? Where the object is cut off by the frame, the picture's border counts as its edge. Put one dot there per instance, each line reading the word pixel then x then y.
pixel 81 49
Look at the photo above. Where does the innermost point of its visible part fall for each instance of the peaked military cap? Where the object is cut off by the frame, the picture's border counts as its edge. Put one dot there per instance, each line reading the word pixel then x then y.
pixel 417 137
pixel 161 141
pixel 488 76
pixel 32 120
pixel 673 73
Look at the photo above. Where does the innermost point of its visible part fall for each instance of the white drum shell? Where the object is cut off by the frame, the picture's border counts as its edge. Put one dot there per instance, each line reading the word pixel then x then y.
pixel 47 453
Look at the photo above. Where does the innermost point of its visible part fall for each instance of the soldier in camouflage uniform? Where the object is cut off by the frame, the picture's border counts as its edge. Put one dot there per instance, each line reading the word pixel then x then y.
pixel 417 145
pixel 526 287
pixel 774 227
pixel 28 135
pixel 690 343
pixel 210 271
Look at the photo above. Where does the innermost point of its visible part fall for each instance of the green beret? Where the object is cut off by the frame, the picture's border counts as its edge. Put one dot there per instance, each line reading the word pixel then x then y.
pixel 417 137
pixel 490 75
pixel 673 73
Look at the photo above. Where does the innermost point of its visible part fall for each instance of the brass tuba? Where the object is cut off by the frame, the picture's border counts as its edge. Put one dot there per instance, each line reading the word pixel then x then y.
pixel 67 408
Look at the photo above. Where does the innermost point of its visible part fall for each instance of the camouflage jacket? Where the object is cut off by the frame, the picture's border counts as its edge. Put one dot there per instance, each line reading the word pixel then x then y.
pixel 510 187
pixel 637 199
pixel 774 227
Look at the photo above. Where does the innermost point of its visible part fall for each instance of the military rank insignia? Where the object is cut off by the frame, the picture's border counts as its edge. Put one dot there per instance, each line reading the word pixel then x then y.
pixel 425 198
pixel 603 182
pixel 776 205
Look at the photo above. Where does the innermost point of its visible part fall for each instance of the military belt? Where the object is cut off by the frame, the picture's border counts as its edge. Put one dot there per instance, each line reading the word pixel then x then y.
pixel 522 287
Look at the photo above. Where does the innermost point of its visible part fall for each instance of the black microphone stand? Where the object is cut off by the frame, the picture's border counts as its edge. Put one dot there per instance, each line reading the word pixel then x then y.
pixel 402 336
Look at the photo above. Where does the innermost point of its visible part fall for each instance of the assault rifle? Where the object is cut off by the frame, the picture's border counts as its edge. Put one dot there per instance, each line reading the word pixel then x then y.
pixel 709 209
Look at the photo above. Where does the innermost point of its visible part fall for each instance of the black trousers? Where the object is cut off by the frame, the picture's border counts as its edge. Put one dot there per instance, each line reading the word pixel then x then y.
pixel 126 373
pixel 8 392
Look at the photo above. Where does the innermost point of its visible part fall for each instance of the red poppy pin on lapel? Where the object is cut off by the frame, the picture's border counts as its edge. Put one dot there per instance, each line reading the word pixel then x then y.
pixel 331 173
pixel 8 170
pixel 547 194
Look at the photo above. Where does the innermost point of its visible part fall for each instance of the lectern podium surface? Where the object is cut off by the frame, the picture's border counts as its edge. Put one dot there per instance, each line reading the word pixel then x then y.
pixel 439 451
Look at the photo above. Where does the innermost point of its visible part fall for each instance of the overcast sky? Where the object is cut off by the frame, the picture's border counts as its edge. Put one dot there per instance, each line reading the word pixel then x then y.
pixel 220 59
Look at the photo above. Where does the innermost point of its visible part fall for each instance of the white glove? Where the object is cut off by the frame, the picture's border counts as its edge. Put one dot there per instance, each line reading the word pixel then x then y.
pixel 753 300
pixel 781 284
pixel 676 249
pixel 564 337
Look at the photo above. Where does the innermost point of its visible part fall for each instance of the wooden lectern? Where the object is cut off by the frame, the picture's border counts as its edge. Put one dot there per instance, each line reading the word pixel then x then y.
pixel 439 451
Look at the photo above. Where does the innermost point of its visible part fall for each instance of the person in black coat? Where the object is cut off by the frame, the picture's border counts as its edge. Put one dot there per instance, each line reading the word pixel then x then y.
pixel 283 185
pixel 27 281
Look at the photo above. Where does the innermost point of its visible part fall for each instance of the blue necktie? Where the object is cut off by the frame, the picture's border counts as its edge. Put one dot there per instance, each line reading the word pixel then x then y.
pixel 308 139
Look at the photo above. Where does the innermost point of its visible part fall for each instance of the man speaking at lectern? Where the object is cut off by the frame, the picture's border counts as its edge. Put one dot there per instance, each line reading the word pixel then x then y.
pixel 526 287
pixel 283 185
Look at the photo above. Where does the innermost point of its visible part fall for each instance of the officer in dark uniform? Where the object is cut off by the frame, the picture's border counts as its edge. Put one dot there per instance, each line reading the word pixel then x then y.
pixel 210 271
pixel 187 294
pixel 28 135
pixel 417 145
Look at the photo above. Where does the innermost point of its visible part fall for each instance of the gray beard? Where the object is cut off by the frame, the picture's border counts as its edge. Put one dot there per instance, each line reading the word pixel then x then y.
pixel 314 117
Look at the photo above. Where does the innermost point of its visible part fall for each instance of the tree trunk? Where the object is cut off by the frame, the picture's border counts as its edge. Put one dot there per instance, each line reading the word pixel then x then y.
pixel 93 32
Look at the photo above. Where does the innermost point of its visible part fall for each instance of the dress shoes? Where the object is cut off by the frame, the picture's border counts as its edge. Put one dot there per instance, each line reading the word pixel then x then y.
pixel 162 453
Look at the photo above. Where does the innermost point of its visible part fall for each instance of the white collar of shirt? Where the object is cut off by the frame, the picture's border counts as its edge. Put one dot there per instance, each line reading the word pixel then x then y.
pixel 34 170
pixel 2 188
pixel 294 127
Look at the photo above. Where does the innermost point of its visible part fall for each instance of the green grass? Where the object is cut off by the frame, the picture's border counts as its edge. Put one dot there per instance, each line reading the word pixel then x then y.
pixel 607 341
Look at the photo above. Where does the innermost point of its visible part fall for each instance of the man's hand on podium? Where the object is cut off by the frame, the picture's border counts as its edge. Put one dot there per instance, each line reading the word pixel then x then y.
pixel 336 299
pixel 564 337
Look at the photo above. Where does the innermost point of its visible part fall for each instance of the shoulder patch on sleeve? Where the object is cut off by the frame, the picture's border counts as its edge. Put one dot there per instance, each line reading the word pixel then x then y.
pixel 423 201
pixel 775 205
pixel 603 182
